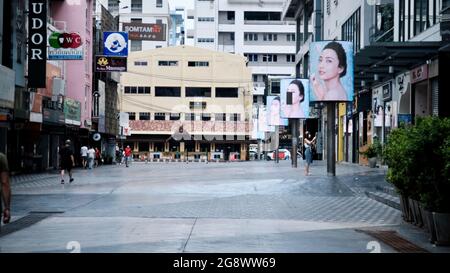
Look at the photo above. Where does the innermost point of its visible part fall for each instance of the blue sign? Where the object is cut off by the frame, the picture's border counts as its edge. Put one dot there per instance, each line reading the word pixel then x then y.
pixel 115 44
pixel 404 119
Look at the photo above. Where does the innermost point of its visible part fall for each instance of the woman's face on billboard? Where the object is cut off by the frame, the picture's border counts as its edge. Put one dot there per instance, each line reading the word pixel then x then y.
pixel 296 97
pixel 275 107
pixel 329 65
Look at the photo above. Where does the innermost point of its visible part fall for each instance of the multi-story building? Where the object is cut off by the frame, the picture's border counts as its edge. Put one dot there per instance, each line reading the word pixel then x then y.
pixel 250 28
pixel 187 103
pixel 141 16
pixel 177 28
pixel 14 98
pixel 399 48
pixel 105 98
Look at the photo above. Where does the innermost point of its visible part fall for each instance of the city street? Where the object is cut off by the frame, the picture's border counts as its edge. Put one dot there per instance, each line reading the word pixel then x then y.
pixel 197 207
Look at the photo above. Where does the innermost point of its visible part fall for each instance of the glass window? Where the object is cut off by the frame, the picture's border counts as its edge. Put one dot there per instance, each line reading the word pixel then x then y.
pixel 136 5
pixel 144 116
pixel 136 45
pixel 165 91
pixel 131 115
pixel 227 92
pixel 192 63
pixel 174 116
pixel 167 63
pixel 159 3
pixel 198 91
pixel 206 117
pixel 220 117
pixel 189 116
pixel 160 116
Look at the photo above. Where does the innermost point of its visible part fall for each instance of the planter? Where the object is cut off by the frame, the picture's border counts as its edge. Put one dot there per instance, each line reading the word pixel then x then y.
pixel 372 162
pixel 424 215
pixel 442 225
pixel 430 223
pixel 406 212
pixel 416 217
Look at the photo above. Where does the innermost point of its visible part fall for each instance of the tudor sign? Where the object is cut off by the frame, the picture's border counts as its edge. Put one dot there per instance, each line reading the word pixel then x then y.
pixel 37 41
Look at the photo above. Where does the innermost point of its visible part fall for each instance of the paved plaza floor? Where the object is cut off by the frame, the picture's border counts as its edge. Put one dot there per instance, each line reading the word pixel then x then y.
pixel 244 207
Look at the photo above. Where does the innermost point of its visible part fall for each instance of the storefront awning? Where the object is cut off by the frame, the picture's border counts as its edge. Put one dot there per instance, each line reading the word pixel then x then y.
pixel 388 59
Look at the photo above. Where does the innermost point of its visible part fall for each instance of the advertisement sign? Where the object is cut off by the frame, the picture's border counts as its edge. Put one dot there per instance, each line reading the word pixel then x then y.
pixel 115 44
pixel 404 119
pixel 294 98
pixel 7 87
pixel 419 74
pixel 145 32
pixel 72 111
pixel 331 71
pixel 274 112
pixel 37 43
pixel 53 116
pixel 101 107
pixel 124 119
pixel 65 46
pixel 387 91
pixel 110 64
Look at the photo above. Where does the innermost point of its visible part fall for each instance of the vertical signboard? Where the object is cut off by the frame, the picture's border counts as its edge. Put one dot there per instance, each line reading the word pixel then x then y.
pixel 37 43
pixel 331 71
pixel 294 98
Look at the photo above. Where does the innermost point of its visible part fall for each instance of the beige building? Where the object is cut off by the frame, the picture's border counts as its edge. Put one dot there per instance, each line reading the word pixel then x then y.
pixel 187 103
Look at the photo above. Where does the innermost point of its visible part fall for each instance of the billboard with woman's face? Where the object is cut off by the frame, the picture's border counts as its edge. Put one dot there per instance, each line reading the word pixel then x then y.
pixel 331 70
pixel 294 98
pixel 274 112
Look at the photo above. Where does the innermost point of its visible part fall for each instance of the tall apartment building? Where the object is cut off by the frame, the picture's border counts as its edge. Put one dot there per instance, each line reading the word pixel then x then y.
pixel 250 28
pixel 187 103
pixel 137 12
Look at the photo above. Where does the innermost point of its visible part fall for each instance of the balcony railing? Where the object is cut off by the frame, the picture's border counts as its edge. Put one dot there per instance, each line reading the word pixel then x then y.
pixel 267 22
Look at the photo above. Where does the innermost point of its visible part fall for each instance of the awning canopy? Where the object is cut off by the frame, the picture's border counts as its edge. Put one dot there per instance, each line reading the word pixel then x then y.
pixel 388 59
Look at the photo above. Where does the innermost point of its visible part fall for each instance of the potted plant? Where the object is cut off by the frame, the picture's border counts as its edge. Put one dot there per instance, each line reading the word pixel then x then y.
pixel 419 167
pixel 371 153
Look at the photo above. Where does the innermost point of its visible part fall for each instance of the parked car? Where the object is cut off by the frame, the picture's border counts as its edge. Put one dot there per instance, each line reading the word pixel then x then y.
pixel 283 154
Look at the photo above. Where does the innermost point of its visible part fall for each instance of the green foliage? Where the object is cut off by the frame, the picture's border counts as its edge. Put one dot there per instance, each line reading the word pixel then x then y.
pixel 419 162
pixel 373 150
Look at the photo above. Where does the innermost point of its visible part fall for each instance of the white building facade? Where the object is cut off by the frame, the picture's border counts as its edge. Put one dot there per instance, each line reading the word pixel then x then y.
pixel 138 12
pixel 250 28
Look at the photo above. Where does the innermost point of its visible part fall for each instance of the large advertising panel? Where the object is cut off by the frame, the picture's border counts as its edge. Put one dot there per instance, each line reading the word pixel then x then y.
pixel 331 70
pixel 274 112
pixel 294 98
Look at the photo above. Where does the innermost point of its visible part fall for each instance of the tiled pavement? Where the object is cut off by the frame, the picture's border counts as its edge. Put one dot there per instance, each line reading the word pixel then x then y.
pixel 198 207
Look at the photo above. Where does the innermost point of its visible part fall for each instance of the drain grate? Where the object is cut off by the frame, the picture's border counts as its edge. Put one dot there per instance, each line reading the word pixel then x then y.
pixel 392 239
pixel 24 222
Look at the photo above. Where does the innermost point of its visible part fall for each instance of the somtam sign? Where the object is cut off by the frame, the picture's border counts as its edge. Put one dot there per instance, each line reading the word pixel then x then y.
pixel 65 46
pixel 37 43
pixel 148 32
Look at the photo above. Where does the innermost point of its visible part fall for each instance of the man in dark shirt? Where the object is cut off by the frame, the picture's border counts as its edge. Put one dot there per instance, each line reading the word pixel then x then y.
pixel 5 189
pixel 67 161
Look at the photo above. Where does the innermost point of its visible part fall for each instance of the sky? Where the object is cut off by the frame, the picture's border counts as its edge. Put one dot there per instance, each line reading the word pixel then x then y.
pixel 188 4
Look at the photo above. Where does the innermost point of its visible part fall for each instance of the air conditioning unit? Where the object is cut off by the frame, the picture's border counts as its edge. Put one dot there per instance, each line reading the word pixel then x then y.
pixel 59 87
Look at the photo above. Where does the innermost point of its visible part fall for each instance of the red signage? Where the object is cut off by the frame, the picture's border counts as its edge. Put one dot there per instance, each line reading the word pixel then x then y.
pixel 419 74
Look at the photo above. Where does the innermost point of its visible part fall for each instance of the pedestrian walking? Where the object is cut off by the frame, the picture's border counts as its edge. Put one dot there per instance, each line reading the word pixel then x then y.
pixel 83 153
pixel 5 190
pixel 127 155
pixel 97 157
pixel 67 160
pixel 91 157
pixel 309 142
